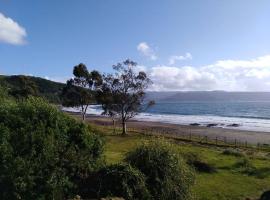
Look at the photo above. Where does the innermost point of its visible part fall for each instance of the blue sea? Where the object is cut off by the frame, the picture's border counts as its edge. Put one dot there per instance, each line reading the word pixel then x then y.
pixel 242 115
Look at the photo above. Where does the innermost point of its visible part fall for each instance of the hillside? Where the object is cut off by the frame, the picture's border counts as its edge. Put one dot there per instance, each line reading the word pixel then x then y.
pixel 208 96
pixel 49 89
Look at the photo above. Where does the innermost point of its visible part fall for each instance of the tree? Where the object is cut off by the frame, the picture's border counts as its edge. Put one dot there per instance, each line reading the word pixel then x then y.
pixel 123 93
pixel 80 91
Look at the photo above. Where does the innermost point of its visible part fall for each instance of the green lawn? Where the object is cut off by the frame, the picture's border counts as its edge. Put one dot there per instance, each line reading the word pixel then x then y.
pixel 226 183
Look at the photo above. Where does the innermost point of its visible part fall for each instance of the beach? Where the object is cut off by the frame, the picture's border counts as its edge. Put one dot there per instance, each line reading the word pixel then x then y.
pixel 230 135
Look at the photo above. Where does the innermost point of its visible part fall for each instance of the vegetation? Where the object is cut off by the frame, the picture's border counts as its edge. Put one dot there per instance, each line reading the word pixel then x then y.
pixel 43 152
pixel 116 180
pixel 195 161
pixel 18 86
pixel 80 91
pixel 167 176
pixel 122 94
pixel 225 183
pixel 233 152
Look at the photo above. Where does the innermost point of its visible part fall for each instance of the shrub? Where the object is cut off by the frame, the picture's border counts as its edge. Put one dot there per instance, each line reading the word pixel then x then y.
pixel 167 175
pixel 265 195
pixel 245 166
pixel 231 152
pixel 43 152
pixel 198 164
pixel 116 180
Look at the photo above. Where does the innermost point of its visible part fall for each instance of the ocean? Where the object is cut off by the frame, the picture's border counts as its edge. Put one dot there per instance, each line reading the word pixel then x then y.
pixel 232 113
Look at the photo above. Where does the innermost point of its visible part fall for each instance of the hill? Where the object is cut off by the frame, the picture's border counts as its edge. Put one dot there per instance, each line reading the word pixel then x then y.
pixel 45 88
pixel 208 96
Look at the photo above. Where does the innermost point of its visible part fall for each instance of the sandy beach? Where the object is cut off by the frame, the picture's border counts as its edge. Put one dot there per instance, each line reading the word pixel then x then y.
pixel 250 137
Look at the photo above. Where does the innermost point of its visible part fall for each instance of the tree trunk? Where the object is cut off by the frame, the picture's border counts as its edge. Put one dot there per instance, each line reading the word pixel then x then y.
pixel 124 128
pixel 83 116
pixel 114 126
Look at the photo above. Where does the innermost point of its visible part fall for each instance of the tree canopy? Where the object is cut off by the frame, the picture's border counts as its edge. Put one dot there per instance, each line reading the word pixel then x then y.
pixel 80 91
pixel 122 94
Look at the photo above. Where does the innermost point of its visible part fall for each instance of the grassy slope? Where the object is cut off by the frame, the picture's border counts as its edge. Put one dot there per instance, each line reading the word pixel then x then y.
pixel 225 184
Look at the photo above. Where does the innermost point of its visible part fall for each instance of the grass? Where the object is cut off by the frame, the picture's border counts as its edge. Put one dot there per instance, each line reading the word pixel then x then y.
pixel 226 183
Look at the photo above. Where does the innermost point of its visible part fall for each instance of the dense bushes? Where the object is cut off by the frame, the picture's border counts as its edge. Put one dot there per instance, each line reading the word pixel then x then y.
pixel 195 161
pixel 167 176
pixel 43 152
pixel 116 180
pixel 232 152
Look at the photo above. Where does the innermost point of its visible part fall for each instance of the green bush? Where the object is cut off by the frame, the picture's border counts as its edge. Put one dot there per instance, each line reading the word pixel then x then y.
pixel 116 180
pixel 43 152
pixel 194 161
pixel 167 175
pixel 245 166
pixel 232 152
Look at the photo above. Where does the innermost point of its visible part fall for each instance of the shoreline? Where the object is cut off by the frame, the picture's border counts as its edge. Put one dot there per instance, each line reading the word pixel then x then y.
pixel 251 137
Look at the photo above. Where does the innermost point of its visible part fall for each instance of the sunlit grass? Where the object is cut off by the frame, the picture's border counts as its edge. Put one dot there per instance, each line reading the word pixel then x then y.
pixel 226 183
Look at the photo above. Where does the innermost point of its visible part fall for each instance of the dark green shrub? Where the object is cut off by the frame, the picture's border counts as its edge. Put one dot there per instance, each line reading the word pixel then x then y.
pixel 167 175
pixel 198 164
pixel 116 180
pixel 232 152
pixel 43 152
pixel 265 196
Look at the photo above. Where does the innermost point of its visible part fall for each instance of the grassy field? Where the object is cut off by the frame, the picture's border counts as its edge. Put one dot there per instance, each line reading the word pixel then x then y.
pixel 228 182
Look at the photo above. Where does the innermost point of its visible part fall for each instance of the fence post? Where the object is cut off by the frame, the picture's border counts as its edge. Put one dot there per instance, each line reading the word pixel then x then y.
pixel 206 139
pixel 235 143
pixel 216 140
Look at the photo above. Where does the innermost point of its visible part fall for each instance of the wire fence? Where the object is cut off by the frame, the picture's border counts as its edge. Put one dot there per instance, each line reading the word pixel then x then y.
pixel 187 136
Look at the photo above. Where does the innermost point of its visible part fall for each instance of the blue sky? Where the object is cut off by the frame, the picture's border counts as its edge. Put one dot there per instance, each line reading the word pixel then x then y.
pixel 195 43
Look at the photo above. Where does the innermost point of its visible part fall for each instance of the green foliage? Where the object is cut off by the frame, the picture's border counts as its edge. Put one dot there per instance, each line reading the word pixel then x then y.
pixel 167 176
pixel 47 89
pixel 80 91
pixel 43 152
pixel 122 94
pixel 232 152
pixel 116 180
pixel 245 166
pixel 195 161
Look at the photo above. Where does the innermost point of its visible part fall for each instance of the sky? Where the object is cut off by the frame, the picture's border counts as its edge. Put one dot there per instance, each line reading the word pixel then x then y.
pixel 181 44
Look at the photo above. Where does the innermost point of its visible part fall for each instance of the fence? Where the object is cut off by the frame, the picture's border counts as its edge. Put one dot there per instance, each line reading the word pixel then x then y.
pixel 188 136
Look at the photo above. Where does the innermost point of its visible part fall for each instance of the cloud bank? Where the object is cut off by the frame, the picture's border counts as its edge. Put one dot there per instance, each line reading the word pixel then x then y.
pixel 229 75
pixel 146 50
pixel 11 32
pixel 173 59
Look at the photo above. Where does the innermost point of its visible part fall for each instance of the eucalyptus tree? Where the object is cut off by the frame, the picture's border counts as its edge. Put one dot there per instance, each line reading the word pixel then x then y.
pixel 80 91
pixel 123 93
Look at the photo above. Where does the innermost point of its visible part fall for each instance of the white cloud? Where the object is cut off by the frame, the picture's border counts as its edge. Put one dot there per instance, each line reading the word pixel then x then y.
pixel 11 32
pixel 146 50
pixel 229 75
pixel 173 59
pixel 57 79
